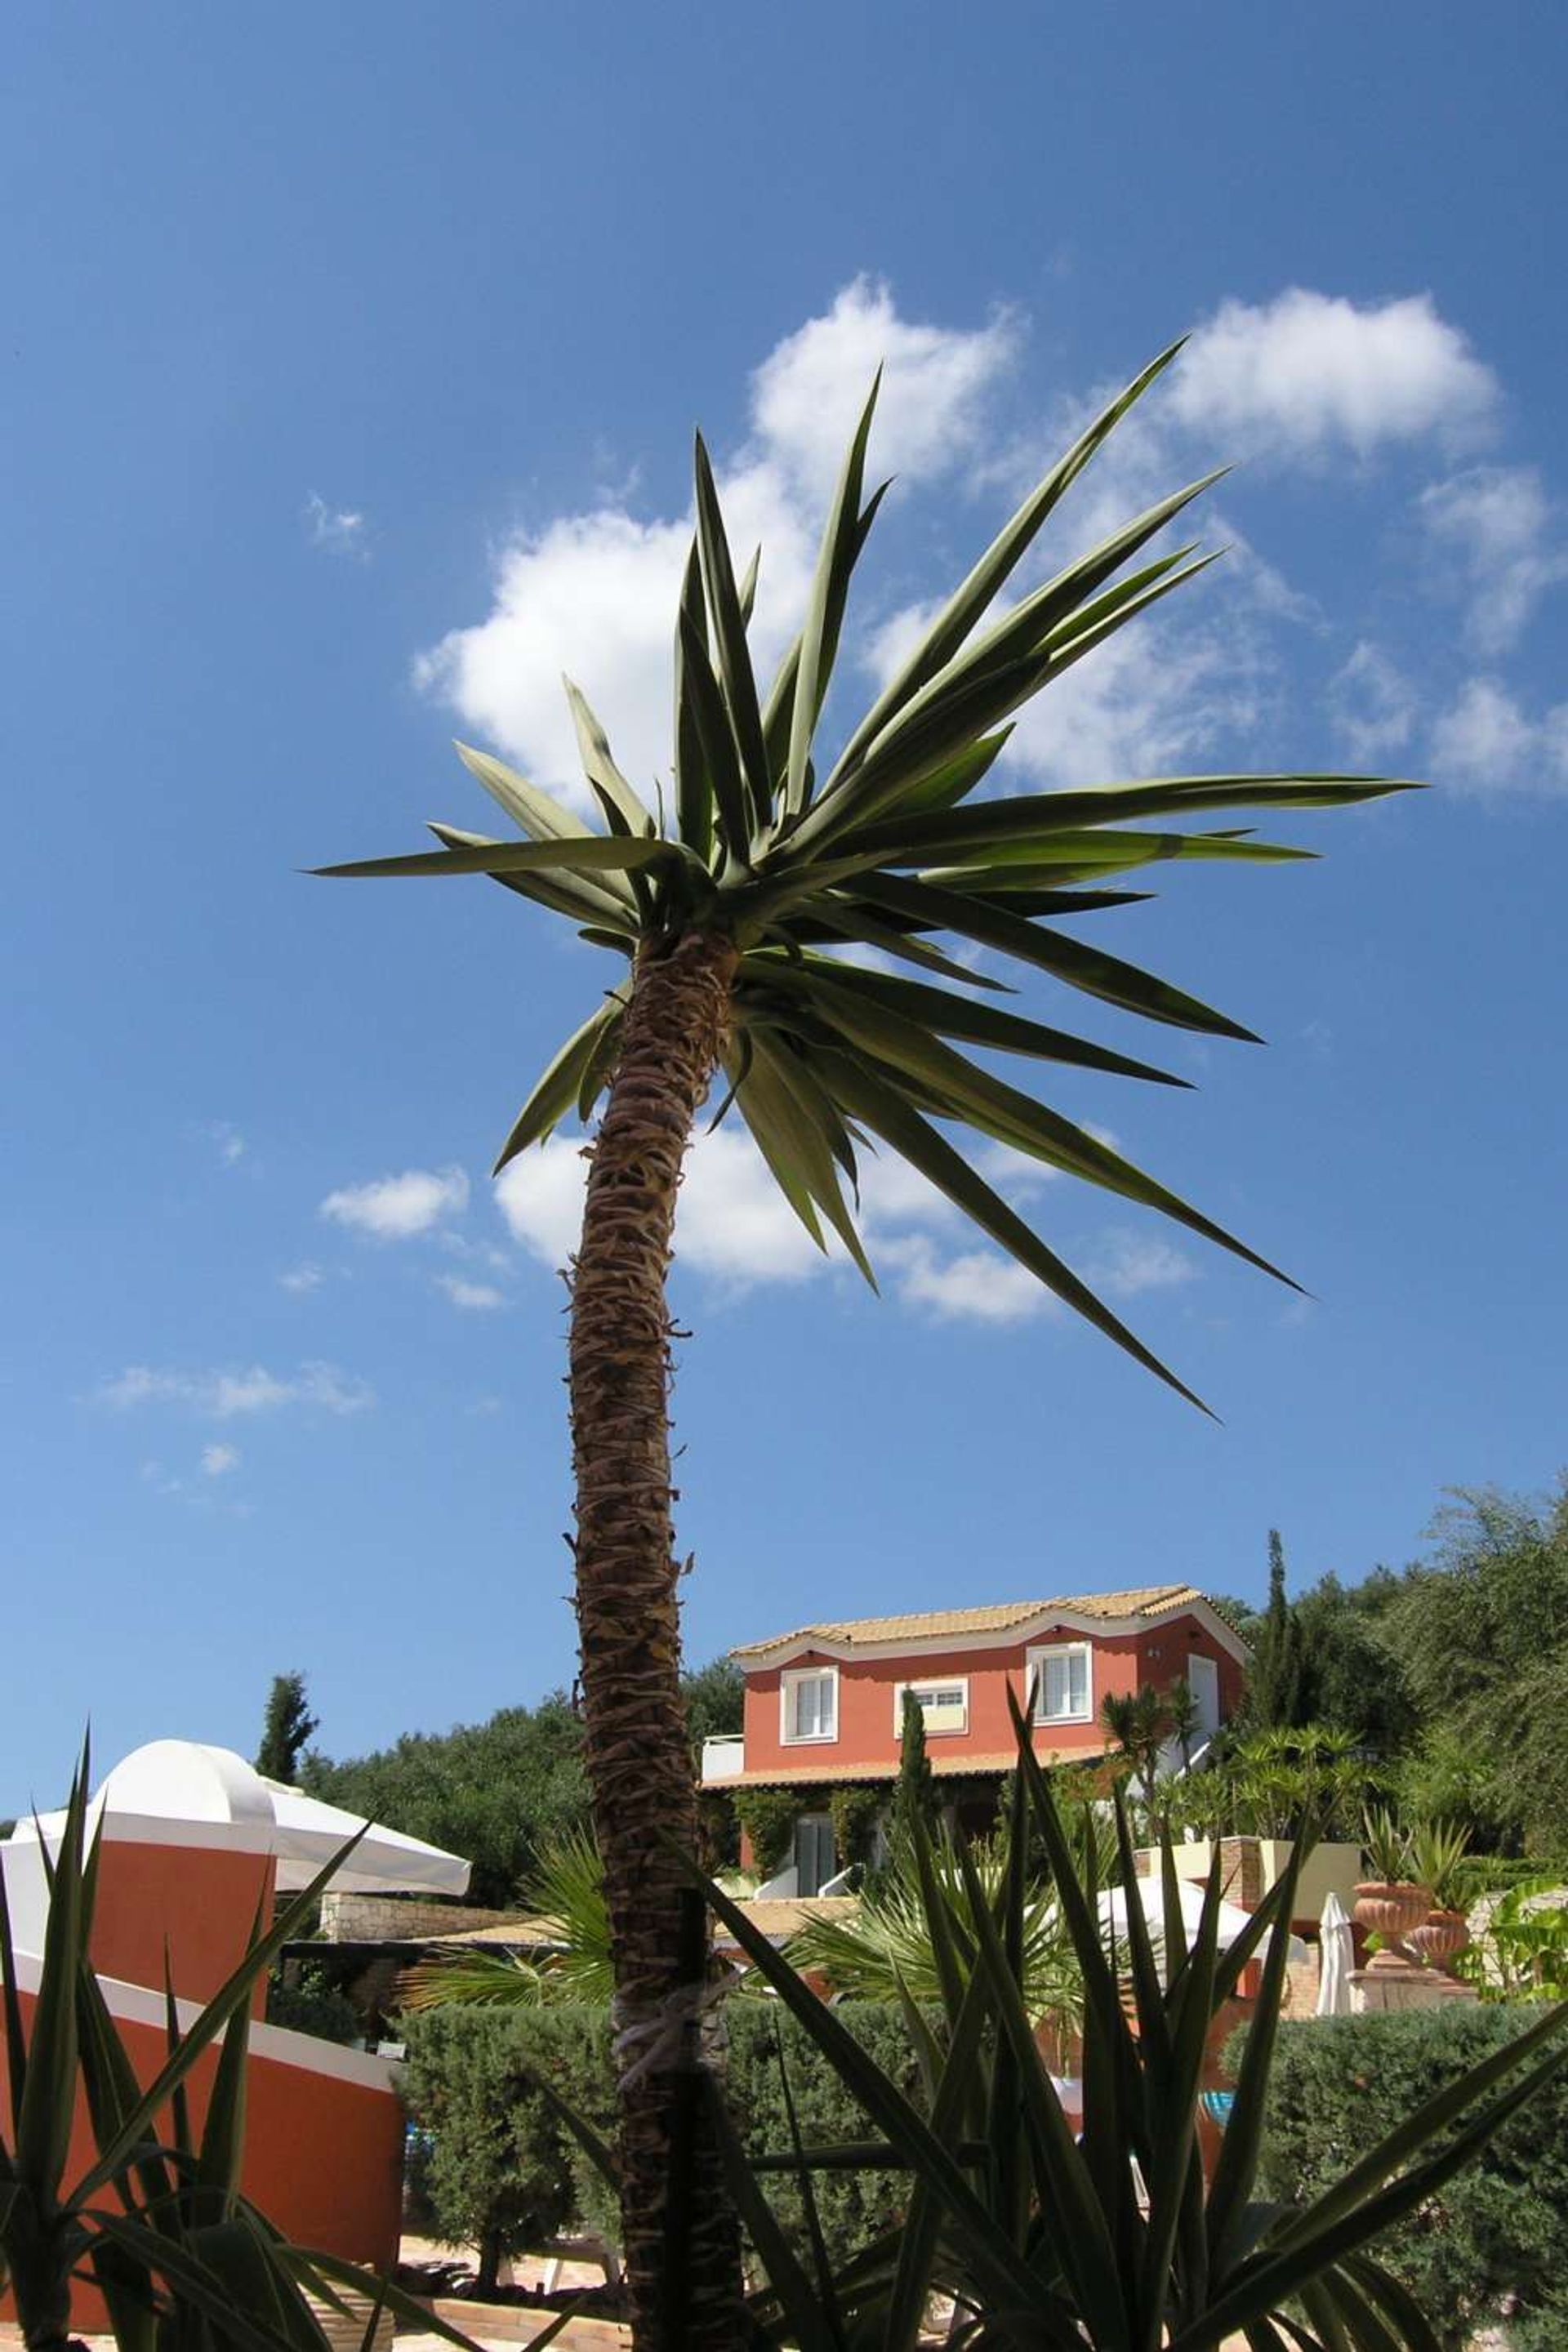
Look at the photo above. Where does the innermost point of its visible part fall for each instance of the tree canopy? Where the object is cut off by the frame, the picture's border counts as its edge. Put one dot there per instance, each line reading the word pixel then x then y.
pixel 1453 1673
pixel 503 1792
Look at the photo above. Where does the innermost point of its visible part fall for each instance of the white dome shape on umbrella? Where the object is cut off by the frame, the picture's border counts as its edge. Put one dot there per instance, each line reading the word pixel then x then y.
pixel 185 1792
pixel 1234 1921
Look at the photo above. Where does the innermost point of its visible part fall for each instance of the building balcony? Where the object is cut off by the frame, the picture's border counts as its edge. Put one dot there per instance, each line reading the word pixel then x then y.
pixel 724 1759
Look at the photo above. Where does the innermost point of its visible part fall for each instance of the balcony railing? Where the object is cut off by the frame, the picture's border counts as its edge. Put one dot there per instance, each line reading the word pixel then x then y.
pixel 723 1758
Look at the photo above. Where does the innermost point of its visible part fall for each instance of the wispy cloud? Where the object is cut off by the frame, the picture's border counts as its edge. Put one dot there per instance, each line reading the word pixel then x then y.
pixel 1495 532
pixel 337 530
pixel 397 1208
pixel 227 1395
pixel 1125 1265
pixel 477 1296
pixel 219 1461
pixel 1486 744
pixel 230 1142
pixel 301 1279
pixel 1375 705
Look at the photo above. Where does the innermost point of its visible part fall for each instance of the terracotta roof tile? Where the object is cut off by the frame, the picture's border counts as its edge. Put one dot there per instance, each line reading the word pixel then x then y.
pixel 1139 1601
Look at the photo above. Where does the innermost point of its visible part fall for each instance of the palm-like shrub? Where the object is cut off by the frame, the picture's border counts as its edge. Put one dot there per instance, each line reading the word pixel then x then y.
pixel 728 914
pixel 891 1948
pixel 565 1903
pixel 1139 1722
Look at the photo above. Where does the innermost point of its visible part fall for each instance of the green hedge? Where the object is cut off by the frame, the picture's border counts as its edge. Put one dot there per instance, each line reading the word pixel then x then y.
pixel 493 2168
pixel 1496 2240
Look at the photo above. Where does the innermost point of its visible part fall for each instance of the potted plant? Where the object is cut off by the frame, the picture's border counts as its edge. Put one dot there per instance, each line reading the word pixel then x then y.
pixel 1389 1902
pixel 1438 1849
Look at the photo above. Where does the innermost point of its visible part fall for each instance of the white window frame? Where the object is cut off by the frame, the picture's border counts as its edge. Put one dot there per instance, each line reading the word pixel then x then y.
pixel 1034 1672
pixel 934 1682
pixel 789 1682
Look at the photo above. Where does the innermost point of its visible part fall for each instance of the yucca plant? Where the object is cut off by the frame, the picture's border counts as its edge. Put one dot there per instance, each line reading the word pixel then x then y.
pixel 156 2220
pixel 735 915
pixel 1113 2241
pixel 1437 1852
pixel 889 1947
pixel 1386 1843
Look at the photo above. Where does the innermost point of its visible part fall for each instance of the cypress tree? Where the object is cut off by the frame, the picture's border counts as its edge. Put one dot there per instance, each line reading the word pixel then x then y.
pixel 1276 1693
pixel 289 1725
pixel 915 1794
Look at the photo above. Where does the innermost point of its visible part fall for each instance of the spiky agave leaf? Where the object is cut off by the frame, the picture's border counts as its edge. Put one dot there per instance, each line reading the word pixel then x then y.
pixel 887 846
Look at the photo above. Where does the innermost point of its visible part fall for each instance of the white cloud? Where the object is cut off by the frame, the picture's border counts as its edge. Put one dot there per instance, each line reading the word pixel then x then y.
pixel 595 593
pixel 1307 371
pixel 335 530
pixel 733 1224
pixel 734 1228
pixel 973 1286
pixel 1149 702
pixel 1485 744
pixel 809 391
pixel 477 1295
pixel 299 1280
pixel 396 1208
pixel 226 1395
pixel 1373 705
pixel 1493 525
pixel 219 1461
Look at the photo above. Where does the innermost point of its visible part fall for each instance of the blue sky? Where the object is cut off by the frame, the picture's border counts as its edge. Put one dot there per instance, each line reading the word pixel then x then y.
pixel 350 366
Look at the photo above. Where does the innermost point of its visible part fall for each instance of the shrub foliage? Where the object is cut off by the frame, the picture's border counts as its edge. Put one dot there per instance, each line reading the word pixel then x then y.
pixel 495 2166
pixel 768 1817
pixel 1495 2238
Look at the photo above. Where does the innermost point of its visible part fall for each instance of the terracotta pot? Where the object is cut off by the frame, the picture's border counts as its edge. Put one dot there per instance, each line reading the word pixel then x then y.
pixel 1390 1907
pixel 1440 1937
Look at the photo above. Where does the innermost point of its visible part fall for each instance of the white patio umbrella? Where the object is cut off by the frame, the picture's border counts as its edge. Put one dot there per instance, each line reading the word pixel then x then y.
pixel 1336 1957
pixel 209 1796
pixel 1234 1921
pixel 385 1862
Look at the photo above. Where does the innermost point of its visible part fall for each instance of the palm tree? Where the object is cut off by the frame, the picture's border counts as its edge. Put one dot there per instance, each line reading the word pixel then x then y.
pixel 730 923
pixel 1140 1723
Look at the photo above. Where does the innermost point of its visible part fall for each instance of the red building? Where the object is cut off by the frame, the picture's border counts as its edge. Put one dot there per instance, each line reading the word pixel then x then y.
pixel 824 1703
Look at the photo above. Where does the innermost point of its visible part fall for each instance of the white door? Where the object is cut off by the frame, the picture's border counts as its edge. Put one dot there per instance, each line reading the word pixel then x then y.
pixel 1202 1679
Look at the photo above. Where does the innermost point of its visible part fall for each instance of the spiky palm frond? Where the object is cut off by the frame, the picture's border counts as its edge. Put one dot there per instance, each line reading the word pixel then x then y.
pixel 470 1976
pixel 887 1950
pixel 566 1917
pixel 800 856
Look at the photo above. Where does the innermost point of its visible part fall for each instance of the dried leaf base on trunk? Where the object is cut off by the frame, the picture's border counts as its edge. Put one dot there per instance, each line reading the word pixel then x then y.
pixel 682 2246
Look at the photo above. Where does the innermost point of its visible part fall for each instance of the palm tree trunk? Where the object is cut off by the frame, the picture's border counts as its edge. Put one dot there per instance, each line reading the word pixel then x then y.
pixel 681 2243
